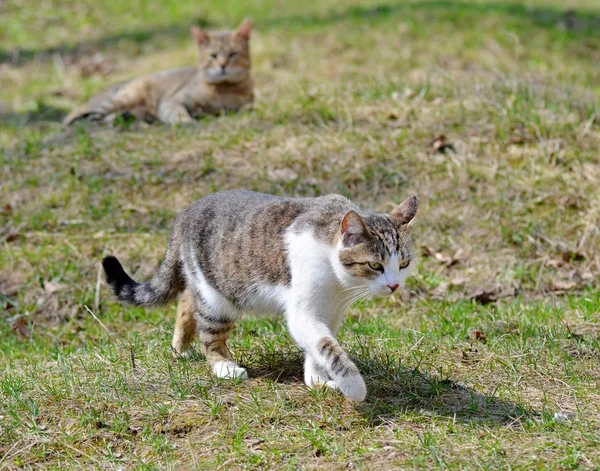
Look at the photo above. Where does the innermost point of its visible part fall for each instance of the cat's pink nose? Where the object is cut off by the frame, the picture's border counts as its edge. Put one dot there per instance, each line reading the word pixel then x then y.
pixel 393 287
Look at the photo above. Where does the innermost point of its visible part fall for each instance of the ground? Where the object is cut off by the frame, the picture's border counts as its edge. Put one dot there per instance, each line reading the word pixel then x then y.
pixel 487 110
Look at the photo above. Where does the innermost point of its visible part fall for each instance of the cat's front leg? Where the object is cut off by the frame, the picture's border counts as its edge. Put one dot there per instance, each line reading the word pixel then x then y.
pixel 314 374
pixel 173 112
pixel 325 356
pixel 343 372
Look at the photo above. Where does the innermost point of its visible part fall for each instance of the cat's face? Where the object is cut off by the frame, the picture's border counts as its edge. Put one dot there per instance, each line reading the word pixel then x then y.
pixel 224 57
pixel 375 251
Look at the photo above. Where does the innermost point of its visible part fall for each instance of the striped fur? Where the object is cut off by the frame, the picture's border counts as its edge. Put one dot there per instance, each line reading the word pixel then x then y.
pixel 338 363
pixel 305 258
pixel 221 82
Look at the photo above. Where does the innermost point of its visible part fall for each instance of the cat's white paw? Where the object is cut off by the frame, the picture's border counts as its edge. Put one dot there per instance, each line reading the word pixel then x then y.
pixel 229 370
pixel 353 387
pixel 332 385
pixel 315 381
pixel 314 376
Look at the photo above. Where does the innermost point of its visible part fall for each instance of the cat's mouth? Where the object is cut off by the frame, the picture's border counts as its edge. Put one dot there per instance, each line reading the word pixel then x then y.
pixel 386 291
pixel 219 76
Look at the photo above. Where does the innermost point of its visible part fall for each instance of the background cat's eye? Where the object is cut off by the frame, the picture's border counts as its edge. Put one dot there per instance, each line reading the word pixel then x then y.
pixel 404 264
pixel 232 55
pixel 376 266
pixel 214 55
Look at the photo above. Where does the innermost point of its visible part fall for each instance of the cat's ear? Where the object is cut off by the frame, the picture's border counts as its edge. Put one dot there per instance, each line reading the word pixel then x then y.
pixel 353 229
pixel 405 211
pixel 244 30
pixel 200 36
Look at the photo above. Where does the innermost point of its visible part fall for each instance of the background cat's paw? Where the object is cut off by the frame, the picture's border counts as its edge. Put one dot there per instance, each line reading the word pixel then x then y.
pixel 353 387
pixel 229 370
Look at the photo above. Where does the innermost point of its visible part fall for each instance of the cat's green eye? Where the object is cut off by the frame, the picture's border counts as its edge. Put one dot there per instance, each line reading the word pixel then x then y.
pixel 214 55
pixel 232 55
pixel 404 264
pixel 376 266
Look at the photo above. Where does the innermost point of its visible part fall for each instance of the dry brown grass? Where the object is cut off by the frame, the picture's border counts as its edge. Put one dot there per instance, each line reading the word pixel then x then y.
pixel 351 99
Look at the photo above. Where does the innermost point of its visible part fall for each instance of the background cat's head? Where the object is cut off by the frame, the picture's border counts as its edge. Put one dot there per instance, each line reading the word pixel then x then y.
pixel 224 56
pixel 375 250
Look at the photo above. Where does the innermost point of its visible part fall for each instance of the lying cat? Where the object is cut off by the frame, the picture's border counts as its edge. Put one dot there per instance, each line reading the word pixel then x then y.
pixel 306 258
pixel 221 82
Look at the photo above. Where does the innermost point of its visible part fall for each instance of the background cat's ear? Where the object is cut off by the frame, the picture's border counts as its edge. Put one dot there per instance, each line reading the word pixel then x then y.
pixel 199 35
pixel 244 30
pixel 405 211
pixel 353 229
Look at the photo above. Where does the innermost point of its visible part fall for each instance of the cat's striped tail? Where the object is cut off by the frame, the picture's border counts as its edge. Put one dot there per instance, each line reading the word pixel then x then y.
pixel 162 288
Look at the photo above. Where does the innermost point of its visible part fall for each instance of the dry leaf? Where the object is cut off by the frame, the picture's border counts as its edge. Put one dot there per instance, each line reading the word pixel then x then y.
pixel 137 209
pixel 447 259
pixel 10 233
pixel 470 355
pixel 312 93
pixel 570 256
pixel 573 335
pixel 458 281
pixel 440 291
pixel 579 350
pixel 254 443
pixel 19 326
pixel 440 144
pixel 563 285
pixel 11 283
pixel 53 286
pixel 487 296
pixel 520 135
pixel 8 209
pixel 97 64
pixel 283 174
pixel 580 276
pixel 442 258
pixel 555 263
pixel 504 327
pixel 478 335
pixel 63 92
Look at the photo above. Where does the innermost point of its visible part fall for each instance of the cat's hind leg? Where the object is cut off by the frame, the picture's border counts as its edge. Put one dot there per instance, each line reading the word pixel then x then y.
pixel 121 97
pixel 185 323
pixel 213 326
pixel 195 317
pixel 172 112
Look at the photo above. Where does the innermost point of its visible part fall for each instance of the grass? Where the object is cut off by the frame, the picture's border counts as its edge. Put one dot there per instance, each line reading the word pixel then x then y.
pixel 489 360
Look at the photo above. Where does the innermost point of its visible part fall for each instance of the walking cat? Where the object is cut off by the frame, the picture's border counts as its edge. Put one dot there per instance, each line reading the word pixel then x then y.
pixel 221 82
pixel 305 258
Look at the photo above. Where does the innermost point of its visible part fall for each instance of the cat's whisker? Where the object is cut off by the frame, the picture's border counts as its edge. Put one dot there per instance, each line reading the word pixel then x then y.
pixel 365 300
pixel 355 297
pixel 352 297
pixel 350 289
pixel 352 294
pixel 348 302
